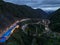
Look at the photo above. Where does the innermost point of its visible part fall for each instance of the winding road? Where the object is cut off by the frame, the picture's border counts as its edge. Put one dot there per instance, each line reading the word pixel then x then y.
pixel 6 34
pixel 9 31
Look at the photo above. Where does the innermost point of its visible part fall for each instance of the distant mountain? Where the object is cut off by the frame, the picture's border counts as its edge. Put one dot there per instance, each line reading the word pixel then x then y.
pixel 9 13
pixel 49 12
pixel 21 11
pixel 55 16
pixel 43 14
pixel 55 21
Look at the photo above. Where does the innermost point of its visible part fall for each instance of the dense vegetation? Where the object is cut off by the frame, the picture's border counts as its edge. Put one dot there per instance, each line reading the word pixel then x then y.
pixel 34 34
pixel 55 21
pixel 30 36
pixel 21 11
pixel 33 38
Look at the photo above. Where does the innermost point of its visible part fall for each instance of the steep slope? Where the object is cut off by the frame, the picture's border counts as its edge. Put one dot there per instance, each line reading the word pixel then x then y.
pixel 22 11
pixel 55 21
pixel 9 13
pixel 5 18
pixel 41 12
pixel 55 16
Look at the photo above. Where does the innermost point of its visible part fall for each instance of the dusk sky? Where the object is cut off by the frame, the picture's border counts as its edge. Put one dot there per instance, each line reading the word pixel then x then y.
pixel 44 4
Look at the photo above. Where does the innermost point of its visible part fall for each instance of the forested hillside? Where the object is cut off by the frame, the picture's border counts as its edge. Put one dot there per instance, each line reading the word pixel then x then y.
pixel 33 33
pixel 55 21
pixel 20 11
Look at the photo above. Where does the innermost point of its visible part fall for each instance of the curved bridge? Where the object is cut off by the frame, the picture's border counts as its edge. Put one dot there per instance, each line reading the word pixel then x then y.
pixel 8 32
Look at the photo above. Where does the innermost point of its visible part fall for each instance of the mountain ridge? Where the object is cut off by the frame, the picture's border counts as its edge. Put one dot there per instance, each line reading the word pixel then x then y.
pixel 21 10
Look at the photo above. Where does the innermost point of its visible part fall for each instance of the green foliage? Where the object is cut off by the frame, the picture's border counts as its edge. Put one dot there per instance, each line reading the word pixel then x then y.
pixel 55 27
pixel 55 21
pixel 20 38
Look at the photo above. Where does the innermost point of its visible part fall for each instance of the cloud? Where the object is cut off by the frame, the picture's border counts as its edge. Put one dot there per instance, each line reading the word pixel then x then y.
pixel 51 1
pixel 35 3
pixel 44 4
pixel 24 1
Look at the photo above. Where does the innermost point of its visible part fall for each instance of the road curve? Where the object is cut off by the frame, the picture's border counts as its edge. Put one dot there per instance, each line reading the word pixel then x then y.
pixel 8 32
